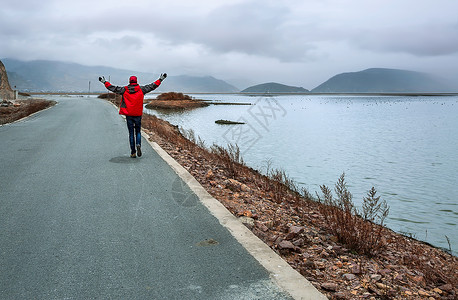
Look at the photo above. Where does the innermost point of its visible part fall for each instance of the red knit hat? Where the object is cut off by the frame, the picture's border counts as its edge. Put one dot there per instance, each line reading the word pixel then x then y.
pixel 133 79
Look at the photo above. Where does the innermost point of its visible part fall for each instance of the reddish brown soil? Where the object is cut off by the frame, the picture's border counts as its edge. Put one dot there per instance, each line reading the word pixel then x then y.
pixel 22 108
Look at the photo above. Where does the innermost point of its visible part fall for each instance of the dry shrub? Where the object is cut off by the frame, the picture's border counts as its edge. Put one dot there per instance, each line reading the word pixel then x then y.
pixel 173 96
pixel 281 185
pixel 182 139
pixel 230 157
pixel 162 128
pixel 363 234
pixel 26 108
pixel 112 97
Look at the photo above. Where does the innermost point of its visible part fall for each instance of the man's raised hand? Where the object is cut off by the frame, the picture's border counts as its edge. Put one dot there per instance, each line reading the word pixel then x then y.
pixel 163 76
pixel 102 79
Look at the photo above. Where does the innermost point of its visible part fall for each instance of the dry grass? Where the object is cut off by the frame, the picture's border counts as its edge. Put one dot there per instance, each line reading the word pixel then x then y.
pixel 354 229
pixel 27 107
pixel 173 96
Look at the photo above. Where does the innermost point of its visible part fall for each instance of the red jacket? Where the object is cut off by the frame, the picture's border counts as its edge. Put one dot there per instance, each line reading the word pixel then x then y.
pixel 132 101
pixel 132 97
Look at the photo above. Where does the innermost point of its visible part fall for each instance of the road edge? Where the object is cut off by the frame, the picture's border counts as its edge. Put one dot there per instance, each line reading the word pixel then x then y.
pixel 280 271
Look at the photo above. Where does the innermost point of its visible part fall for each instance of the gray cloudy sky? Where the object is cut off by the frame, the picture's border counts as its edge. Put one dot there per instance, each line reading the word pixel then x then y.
pixel 245 42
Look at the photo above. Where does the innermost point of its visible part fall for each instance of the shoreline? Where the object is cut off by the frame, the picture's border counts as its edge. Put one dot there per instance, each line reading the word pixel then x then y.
pixel 264 94
pixel 296 228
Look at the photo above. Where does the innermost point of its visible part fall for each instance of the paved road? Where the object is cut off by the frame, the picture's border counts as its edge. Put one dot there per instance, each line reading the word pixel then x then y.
pixel 80 219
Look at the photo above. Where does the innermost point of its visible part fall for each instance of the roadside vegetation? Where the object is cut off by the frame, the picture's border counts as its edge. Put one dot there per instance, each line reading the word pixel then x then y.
pixel 176 101
pixel 12 111
pixel 345 252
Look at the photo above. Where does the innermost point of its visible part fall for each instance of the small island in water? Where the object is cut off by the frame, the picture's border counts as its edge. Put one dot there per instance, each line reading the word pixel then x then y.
pixel 173 100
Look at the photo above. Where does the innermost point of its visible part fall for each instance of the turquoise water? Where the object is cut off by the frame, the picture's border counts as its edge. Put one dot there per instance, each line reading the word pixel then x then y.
pixel 406 147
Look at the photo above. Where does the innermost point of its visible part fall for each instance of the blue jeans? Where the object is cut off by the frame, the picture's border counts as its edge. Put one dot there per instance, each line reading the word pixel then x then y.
pixel 134 124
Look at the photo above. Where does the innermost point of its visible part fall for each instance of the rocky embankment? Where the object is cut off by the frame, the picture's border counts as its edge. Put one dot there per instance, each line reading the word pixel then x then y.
pixel 295 227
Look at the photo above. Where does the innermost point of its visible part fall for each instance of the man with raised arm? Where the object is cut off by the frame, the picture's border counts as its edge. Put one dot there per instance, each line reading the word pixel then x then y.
pixel 132 107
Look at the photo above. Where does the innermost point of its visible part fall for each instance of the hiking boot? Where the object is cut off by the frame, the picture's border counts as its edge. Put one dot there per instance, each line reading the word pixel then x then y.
pixel 139 150
pixel 133 155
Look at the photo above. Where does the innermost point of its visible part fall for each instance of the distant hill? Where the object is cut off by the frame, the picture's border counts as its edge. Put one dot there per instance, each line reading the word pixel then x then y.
pixel 52 76
pixel 378 80
pixel 273 87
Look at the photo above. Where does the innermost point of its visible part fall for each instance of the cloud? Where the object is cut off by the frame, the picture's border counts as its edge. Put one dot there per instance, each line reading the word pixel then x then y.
pixel 124 42
pixel 250 27
pixel 300 42
pixel 426 40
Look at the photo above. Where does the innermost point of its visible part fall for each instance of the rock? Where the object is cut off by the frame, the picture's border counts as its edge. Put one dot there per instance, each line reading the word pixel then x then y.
pixel 329 286
pixel 381 286
pixel 286 245
pixel 399 277
pixel 349 277
pixel 446 287
pixel 270 224
pixel 5 89
pixel 420 280
pixel 262 227
pixel 236 186
pixel 249 222
pixel 423 293
pixel 296 229
pixel 320 265
pixel 209 174
pixel 324 253
pixel 356 270
pixel 245 188
pixel 437 291
pixel 338 264
pixel 384 271
pixel 376 277
pixel 299 242
pixel 340 296
pixel 248 213
pixel 293 232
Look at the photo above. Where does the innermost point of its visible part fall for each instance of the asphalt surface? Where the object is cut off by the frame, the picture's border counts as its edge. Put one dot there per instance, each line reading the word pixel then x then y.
pixel 80 219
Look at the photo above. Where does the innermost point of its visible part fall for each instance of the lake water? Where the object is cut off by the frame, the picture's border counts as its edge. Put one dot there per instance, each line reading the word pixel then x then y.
pixel 406 147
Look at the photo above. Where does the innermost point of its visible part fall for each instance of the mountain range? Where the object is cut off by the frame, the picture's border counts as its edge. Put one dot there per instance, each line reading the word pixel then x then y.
pixel 52 76
pixel 273 87
pixel 380 80
pixel 56 76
